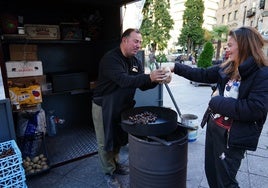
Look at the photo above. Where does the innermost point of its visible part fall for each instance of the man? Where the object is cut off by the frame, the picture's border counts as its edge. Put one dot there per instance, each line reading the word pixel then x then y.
pixel 120 73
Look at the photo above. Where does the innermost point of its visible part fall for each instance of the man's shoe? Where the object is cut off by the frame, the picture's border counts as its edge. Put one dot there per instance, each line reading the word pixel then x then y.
pixel 121 169
pixel 112 181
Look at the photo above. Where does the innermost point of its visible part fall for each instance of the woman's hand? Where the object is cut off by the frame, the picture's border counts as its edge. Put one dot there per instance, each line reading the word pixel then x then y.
pixel 171 67
pixel 168 75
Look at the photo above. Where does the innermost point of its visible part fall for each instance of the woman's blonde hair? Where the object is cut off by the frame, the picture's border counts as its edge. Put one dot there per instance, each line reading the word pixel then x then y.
pixel 250 43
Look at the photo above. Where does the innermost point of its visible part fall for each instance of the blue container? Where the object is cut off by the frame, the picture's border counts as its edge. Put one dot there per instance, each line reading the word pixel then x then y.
pixel 51 124
pixel 6 118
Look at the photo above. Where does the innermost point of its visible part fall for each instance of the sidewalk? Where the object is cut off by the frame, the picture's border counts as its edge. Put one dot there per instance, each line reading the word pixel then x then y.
pixel 86 173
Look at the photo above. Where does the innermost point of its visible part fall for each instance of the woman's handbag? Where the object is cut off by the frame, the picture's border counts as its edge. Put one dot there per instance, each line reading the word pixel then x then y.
pixel 206 117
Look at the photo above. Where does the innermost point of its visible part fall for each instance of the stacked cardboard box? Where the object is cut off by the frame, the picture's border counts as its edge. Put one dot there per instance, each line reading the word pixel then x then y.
pixel 27 52
pixel 25 75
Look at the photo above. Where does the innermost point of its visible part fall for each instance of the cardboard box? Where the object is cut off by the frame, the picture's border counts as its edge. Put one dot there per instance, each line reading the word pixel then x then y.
pixel 26 96
pixel 23 68
pixel 26 81
pixel 23 52
pixel 47 32
pixel 71 31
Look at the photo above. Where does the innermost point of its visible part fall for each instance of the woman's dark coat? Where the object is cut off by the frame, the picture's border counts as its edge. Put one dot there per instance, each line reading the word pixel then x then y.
pixel 249 111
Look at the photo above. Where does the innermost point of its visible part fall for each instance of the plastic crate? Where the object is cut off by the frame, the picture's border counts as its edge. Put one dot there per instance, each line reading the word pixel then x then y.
pixel 11 171
pixel 17 180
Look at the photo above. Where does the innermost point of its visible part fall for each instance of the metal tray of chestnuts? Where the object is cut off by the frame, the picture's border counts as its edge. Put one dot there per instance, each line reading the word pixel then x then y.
pixel 149 121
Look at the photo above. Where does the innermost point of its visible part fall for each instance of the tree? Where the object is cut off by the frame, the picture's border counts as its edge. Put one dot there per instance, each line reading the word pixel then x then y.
pixel 192 33
pixel 207 35
pixel 205 58
pixel 219 34
pixel 156 24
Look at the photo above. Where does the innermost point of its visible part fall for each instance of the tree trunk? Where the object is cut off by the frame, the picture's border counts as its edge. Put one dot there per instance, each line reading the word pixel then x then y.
pixel 188 48
pixel 218 49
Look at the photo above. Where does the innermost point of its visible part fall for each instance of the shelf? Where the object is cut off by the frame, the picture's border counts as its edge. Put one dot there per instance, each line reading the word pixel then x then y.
pixel 18 39
pixel 72 92
pixel 21 39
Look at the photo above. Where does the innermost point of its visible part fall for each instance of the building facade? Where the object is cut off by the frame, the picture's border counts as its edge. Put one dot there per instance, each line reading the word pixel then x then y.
pixel 237 13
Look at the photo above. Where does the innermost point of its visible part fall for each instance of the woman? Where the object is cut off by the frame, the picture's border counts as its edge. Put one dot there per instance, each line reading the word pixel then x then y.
pixel 238 108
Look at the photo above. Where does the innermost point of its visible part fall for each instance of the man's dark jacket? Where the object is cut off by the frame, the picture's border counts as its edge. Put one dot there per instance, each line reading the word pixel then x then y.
pixel 118 79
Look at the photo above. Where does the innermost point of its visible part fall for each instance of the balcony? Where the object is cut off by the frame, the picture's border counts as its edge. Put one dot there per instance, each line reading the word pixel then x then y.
pixel 264 13
pixel 251 12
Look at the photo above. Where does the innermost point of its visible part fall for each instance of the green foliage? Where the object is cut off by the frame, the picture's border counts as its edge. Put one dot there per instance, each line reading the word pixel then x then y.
pixel 219 34
pixel 207 35
pixel 192 32
pixel 205 58
pixel 156 24
pixel 161 58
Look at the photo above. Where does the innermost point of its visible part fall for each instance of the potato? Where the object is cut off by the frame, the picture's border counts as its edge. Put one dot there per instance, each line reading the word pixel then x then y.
pixel 28 159
pixel 44 159
pixel 45 167
pixel 35 159
pixel 43 163
pixel 36 164
pixel 41 156
pixel 29 168
pixel 26 163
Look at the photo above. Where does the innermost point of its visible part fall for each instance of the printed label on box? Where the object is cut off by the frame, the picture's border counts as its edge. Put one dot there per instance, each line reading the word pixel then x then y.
pixel 30 95
pixel 24 68
pixel 42 31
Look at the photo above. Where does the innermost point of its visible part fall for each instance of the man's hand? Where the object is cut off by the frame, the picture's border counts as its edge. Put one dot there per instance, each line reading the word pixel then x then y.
pixel 167 80
pixel 158 75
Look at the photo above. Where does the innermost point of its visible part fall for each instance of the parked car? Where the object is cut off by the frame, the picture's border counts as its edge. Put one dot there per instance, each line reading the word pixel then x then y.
pixel 180 58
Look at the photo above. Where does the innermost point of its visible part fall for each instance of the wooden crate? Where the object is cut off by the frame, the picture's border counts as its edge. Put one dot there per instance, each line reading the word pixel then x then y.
pixel 23 52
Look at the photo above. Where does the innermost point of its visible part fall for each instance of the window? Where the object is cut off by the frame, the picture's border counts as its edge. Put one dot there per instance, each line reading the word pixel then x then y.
pixel 262 4
pixel 229 16
pixel 235 14
pixel 224 3
pixel 222 18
